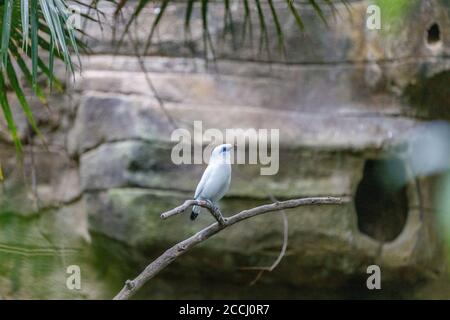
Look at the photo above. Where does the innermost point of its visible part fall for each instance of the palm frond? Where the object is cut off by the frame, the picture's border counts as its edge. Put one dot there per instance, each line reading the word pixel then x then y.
pixel 140 5
pixel 6 31
pixel 264 37
pixel 30 28
pixel 25 27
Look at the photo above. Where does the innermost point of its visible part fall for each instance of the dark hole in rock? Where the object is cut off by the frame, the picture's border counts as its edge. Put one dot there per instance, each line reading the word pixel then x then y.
pixel 433 34
pixel 381 199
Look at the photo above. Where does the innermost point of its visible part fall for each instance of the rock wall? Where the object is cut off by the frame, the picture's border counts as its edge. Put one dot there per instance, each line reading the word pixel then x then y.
pixel 341 97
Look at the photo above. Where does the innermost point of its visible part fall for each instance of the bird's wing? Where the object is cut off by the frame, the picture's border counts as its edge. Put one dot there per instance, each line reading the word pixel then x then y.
pixel 216 183
pixel 202 182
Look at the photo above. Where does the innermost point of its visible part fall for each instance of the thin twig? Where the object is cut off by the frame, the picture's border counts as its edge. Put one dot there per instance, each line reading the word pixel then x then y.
pixel 280 257
pixel 282 253
pixel 285 241
pixel 149 81
pixel 132 286
pixel 34 191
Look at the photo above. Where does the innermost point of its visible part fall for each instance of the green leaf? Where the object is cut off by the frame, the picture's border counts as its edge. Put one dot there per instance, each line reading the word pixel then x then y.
pixel 27 75
pixel 319 11
pixel 21 97
pixel 140 6
pixel 155 23
pixel 262 24
pixel 6 30
pixel 247 20
pixel 25 15
pixel 188 15
pixel 39 64
pixel 51 62
pixel 34 41
pixel 277 26
pixel 30 28
pixel 228 19
pixel 296 15
pixel 8 114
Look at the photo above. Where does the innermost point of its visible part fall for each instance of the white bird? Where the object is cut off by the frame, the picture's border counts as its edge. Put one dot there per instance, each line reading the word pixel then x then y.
pixel 216 179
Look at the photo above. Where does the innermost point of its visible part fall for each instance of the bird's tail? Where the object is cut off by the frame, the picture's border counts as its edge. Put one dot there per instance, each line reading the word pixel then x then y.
pixel 195 212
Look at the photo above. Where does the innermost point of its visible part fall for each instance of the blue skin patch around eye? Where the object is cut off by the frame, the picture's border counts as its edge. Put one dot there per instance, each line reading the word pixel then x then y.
pixel 224 149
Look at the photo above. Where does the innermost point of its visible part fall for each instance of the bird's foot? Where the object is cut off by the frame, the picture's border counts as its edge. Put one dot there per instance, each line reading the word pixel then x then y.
pixel 210 204
pixel 215 211
pixel 220 219
pixel 218 216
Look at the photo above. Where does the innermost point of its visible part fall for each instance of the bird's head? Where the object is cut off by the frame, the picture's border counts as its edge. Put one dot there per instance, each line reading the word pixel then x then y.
pixel 222 153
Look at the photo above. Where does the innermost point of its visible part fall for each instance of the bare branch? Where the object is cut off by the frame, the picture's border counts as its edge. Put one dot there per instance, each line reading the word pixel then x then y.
pixel 201 203
pixel 285 237
pixel 283 248
pixel 132 286
pixel 285 241
pixel 280 257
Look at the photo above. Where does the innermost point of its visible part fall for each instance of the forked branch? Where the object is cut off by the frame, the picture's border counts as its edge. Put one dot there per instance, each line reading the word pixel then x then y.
pixel 132 286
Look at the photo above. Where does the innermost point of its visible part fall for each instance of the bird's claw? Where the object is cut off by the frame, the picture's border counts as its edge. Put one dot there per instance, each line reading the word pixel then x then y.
pixel 215 211
pixel 210 204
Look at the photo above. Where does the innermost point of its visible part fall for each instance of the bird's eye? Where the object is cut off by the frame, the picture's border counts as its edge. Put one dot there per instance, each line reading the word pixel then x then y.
pixel 224 149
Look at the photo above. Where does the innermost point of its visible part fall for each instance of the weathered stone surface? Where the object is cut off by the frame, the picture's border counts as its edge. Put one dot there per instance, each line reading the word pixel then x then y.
pixel 345 89
pixel 336 43
pixel 340 96
pixel 148 165
pixel 36 251
pixel 281 88
pixel 320 238
pixel 68 187
pixel 44 179
pixel 132 216
pixel 102 118
pixel 333 103
pixel 130 163
pixel 345 41
pixel 48 116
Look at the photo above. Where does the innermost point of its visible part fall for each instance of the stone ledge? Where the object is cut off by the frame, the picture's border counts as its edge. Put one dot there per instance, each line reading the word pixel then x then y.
pixel 104 118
